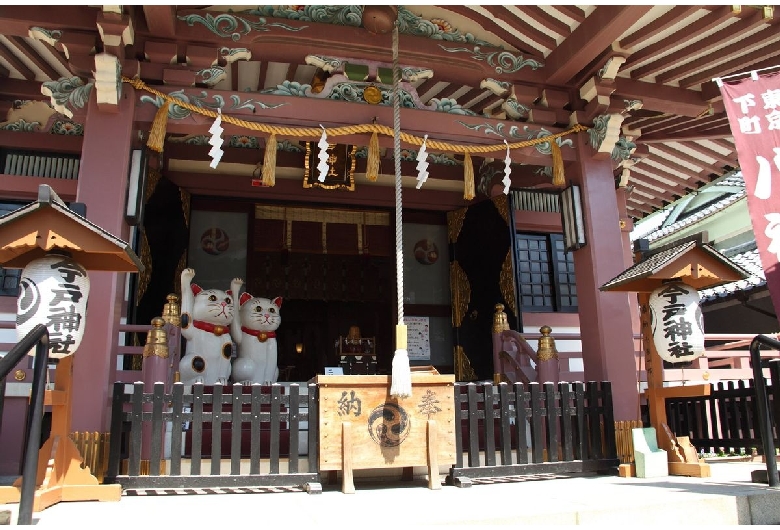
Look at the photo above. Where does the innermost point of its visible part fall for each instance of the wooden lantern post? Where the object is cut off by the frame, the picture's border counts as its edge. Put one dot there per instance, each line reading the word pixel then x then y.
pixel 698 266
pixel 27 234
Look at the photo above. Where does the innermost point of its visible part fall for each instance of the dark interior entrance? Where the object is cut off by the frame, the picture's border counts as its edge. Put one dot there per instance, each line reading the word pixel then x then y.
pixel 315 326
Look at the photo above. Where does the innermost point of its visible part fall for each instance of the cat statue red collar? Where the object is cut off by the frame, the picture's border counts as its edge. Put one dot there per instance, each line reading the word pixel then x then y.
pixel 254 332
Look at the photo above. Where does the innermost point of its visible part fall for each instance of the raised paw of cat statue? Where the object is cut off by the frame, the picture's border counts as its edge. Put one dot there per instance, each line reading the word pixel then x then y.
pixel 254 332
pixel 206 316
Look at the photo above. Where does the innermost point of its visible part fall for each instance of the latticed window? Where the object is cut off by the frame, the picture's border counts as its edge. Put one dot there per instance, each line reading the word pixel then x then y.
pixel 545 273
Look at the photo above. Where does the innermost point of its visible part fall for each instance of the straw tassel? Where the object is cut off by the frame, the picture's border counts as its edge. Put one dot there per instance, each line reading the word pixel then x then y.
pixel 157 133
pixel 557 164
pixel 468 178
pixel 372 163
pixel 269 161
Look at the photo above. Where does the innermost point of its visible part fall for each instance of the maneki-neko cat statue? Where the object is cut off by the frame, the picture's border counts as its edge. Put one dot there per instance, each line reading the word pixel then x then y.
pixel 206 316
pixel 254 331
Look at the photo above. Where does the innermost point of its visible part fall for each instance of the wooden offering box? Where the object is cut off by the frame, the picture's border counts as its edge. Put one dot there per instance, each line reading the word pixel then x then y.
pixel 363 427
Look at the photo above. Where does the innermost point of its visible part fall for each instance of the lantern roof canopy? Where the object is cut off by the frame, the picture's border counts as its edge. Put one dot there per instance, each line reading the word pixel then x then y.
pixel 693 262
pixel 32 231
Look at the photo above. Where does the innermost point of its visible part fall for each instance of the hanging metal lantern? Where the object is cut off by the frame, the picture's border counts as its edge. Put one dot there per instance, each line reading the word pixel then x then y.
pixel 53 291
pixel 677 322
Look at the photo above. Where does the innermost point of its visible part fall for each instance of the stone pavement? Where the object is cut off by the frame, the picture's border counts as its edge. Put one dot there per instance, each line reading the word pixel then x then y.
pixel 728 497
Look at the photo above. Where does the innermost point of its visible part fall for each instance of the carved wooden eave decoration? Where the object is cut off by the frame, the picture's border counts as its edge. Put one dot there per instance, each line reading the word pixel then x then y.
pixel 698 265
pixel 32 231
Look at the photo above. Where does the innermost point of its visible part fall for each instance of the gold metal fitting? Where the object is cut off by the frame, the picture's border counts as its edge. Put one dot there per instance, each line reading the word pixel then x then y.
pixel 171 312
pixel 20 375
pixel 156 340
pixel 546 349
pixel 500 322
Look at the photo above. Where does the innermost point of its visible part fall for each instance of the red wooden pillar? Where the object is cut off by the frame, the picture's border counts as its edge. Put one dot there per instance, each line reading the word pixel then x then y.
pixel 605 317
pixel 626 226
pixel 102 186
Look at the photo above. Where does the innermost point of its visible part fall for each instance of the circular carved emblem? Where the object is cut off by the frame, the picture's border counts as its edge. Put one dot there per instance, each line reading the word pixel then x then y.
pixel 388 425
pixel 426 252
pixel 214 241
pixel 372 95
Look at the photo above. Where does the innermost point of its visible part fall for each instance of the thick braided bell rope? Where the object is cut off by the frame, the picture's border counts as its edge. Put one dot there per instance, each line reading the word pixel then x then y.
pixel 315 133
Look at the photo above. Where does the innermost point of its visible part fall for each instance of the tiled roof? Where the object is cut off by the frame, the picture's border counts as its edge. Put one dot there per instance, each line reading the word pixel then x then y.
pixel 650 229
pixel 696 217
pixel 655 262
pixel 751 262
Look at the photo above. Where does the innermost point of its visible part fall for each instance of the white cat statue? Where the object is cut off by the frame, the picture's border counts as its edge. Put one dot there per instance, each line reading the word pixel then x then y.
pixel 206 316
pixel 254 331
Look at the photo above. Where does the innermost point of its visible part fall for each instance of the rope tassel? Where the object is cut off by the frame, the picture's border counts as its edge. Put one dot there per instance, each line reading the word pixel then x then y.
pixel 156 139
pixel 557 164
pixel 372 163
pixel 468 178
pixel 269 161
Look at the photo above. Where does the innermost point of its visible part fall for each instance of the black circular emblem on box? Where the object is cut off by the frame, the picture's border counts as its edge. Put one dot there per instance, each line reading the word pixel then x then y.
pixel 388 425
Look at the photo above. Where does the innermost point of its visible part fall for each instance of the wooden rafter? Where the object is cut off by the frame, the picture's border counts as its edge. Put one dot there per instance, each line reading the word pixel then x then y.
pixel 674 16
pixel 493 27
pixel 683 57
pixel 684 157
pixel 573 12
pixel 604 25
pixel 161 20
pixel 692 32
pixel 539 16
pixel 503 14
pixel 758 59
pixel 704 151
pixel 34 57
pixel 16 63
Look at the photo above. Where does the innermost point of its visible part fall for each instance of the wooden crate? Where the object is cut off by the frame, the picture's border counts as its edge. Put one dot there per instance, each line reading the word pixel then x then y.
pixel 362 427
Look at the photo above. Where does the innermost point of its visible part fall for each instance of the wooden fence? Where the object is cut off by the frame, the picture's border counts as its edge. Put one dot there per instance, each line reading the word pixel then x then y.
pixel 244 414
pixel 519 430
pixel 726 420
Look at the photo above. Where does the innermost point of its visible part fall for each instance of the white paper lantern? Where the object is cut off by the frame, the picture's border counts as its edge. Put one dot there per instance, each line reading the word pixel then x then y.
pixel 677 322
pixel 53 292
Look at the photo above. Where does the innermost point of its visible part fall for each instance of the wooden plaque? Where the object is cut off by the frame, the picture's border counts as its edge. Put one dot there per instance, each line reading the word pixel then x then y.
pixel 385 432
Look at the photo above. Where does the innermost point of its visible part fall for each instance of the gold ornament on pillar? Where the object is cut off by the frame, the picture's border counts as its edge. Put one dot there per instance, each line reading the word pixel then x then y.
pixel 156 340
pixel 171 313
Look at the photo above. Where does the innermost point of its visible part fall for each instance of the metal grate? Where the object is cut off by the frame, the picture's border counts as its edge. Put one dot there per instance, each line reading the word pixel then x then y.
pixel 33 164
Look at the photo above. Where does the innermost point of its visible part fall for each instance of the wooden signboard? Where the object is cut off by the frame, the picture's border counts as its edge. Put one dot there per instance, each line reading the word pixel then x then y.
pixel 362 427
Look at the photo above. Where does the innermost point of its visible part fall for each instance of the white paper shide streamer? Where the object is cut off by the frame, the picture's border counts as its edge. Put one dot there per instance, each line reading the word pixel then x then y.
pixel 507 170
pixel 323 156
pixel 422 164
pixel 216 140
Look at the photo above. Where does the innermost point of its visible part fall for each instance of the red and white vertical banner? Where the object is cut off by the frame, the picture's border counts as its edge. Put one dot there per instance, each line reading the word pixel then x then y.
pixel 753 108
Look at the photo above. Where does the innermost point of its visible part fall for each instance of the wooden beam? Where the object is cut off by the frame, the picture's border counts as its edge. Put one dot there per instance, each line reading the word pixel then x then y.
pixel 57 55
pixel 49 143
pixel 161 20
pixel 490 25
pixel 545 19
pixel 718 53
pixel 682 57
pixel 34 57
pixel 692 31
pixel 667 151
pixel 16 63
pixel 744 63
pixel 573 12
pixel 721 132
pixel 521 26
pixel 661 98
pixel 604 25
pixel 667 20
pixel 704 151
pixel 17 19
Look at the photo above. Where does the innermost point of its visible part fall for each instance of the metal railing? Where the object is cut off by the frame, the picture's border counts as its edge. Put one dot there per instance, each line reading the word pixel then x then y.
pixel 764 421
pixel 38 337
